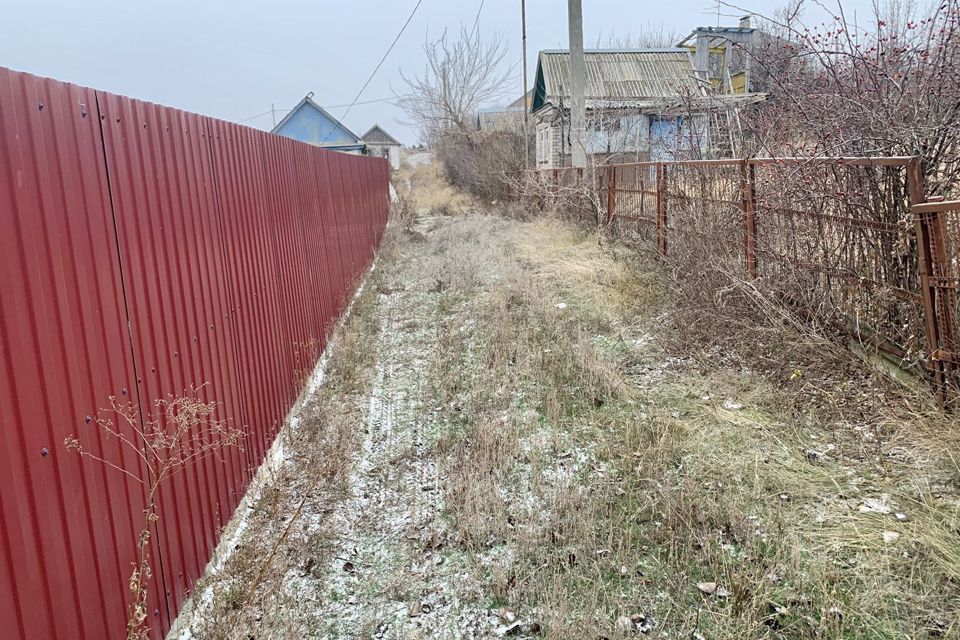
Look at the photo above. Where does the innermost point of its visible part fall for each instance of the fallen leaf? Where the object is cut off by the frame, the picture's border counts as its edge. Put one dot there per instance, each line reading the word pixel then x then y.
pixel 713 589
pixel 708 588
pixel 507 615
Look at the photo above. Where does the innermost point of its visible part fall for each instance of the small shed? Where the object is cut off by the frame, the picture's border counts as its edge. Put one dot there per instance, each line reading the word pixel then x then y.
pixel 382 144
pixel 309 122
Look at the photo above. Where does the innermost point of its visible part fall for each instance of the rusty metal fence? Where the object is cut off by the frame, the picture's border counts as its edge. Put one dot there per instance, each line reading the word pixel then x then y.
pixel 144 251
pixel 852 243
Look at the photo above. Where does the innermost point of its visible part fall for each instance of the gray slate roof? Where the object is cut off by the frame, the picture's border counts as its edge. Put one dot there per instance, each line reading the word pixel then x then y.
pixel 618 76
pixel 377 135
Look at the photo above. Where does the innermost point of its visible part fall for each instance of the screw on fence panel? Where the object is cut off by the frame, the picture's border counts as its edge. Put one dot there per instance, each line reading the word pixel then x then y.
pixel 926 270
pixel 661 176
pixel 748 198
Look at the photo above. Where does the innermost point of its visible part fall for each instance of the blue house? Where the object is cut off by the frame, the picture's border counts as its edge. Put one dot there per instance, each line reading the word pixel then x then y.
pixel 309 122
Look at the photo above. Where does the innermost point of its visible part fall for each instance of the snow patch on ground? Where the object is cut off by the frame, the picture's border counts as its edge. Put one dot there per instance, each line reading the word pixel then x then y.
pixel 197 605
pixel 393 574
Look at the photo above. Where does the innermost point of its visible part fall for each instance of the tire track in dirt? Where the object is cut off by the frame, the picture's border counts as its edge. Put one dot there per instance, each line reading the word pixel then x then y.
pixel 393 574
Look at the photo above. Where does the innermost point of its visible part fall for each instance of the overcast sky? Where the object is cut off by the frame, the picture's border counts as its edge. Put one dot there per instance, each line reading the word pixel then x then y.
pixel 234 59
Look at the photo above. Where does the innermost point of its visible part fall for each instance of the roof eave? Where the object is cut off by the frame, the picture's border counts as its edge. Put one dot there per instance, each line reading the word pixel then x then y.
pixel 384 132
pixel 307 100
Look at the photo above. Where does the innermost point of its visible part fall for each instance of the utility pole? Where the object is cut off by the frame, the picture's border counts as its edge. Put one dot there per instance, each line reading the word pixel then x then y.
pixel 273 112
pixel 578 116
pixel 526 107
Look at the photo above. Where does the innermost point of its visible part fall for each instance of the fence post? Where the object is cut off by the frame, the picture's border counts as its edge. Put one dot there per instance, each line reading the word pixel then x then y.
pixel 611 191
pixel 601 178
pixel 748 199
pixel 925 267
pixel 661 177
pixel 940 259
pixel 945 304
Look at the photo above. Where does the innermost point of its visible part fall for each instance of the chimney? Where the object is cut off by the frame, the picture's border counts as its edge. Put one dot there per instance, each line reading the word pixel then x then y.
pixel 745 22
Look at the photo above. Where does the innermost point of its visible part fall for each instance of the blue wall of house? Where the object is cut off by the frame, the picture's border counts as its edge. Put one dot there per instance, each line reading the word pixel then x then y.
pixel 312 126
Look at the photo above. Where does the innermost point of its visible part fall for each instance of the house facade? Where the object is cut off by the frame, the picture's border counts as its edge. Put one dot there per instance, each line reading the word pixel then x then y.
pixel 642 105
pixel 382 144
pixel 309 122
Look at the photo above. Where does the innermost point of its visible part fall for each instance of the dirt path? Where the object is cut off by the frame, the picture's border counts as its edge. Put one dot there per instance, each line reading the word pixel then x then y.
pixel 393 575
pixel 506 446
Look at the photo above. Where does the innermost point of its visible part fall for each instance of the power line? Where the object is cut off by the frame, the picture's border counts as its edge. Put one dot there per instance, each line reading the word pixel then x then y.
pixel 259 115
pixel 337 106
pixel 326 106
pixel 379 64
pixel 349 106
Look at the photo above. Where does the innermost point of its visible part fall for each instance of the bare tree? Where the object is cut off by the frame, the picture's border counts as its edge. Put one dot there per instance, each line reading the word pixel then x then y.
pixel 651 36
pixel 459 77
pixel 889 85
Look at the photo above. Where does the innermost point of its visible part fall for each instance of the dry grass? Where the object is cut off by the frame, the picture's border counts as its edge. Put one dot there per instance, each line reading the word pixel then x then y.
pixel 595 468
pixel 254 594
pixel 429 190
pixel 595 474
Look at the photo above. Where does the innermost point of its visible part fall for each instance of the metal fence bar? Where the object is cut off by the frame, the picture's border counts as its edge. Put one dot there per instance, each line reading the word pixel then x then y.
pixel 747 180
pixel 661 187
pixel 838 229
pixel 611 173
pixel 926 270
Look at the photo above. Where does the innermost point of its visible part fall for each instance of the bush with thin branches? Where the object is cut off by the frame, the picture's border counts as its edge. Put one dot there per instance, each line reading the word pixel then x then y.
pixel 178 433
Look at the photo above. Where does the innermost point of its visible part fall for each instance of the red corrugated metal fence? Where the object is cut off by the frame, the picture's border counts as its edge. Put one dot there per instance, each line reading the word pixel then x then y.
pixel 145 250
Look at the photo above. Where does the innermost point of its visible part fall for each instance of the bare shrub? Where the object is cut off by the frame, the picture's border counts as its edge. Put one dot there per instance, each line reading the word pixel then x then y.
pixel 461 75
pixel 477 161
pixel 884 85
pixel 404 212
pixel 180 432
pixel 574 194
pixel 651 36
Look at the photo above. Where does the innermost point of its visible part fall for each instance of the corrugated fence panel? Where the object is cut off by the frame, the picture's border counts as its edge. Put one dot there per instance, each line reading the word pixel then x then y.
pixel 332 265
pixel 182 323
pixel 67 526
pixel 341 231
pixel 337 282
pixel 313 219
pixel 145 252
pixel 263 351
pixel 283 208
